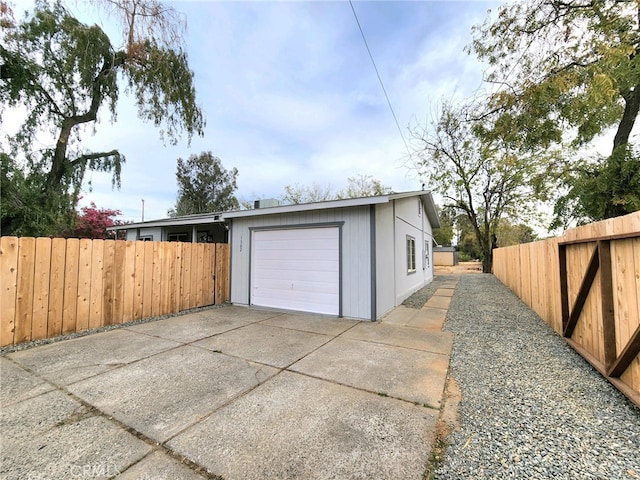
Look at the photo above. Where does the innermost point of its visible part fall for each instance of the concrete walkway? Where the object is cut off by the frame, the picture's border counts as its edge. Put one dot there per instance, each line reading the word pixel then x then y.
pixel 231 393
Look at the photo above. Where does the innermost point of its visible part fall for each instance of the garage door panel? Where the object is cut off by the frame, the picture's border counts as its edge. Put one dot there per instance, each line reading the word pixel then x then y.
pixel 318 244
pixel 296 269
pixel 298 286
pixel 317 304
pixel 298 278
pixel 296 265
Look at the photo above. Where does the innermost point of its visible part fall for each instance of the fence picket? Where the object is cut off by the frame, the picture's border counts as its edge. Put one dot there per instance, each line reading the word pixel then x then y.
pixel 129 281
pixel 71 292
pixel 56 289
pixel 108 265
pixel 24 292
pixel 9 273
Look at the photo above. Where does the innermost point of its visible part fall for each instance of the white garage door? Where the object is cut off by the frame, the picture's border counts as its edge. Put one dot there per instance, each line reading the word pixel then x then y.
pixel 296 269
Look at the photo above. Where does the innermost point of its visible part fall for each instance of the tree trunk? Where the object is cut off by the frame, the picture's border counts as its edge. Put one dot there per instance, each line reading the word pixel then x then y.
pixel 631 109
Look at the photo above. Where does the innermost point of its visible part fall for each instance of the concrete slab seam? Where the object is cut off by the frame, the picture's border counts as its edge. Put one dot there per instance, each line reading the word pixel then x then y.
pixel 155 446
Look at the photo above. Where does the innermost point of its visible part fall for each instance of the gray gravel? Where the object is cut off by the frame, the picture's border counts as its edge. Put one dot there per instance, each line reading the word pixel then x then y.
pixel 418 299
pixel 531 407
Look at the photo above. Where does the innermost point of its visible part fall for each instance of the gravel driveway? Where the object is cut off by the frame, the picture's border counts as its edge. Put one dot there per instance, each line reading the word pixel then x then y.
pixel 531 407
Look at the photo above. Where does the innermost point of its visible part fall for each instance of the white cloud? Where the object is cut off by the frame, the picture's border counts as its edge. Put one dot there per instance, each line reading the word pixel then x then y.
pixel 290 95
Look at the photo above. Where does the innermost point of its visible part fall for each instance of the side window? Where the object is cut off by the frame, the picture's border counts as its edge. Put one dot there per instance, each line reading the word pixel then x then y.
pixel 178 237
pixel 146 238
pixel 426 253
pixel 411 254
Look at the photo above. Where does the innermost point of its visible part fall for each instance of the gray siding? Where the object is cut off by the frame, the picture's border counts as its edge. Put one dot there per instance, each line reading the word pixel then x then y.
pixel 156 232
pixel 385 269
pixel 356 253
pixel 411 220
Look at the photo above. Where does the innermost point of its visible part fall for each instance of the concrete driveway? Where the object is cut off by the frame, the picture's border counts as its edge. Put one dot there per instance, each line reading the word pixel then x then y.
pixel 228 392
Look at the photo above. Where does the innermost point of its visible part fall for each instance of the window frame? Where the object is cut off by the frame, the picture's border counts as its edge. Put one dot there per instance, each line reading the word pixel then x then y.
pixel 426 254
pixel 178 236
pixel 411 254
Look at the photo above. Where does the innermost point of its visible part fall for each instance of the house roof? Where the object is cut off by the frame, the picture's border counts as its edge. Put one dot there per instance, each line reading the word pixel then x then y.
pixel 425 196
pixel 196 219
pixel 427 201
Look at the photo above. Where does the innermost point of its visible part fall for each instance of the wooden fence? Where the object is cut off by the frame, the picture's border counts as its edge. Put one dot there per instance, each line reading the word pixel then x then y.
pixel 54 286
pixel 586 286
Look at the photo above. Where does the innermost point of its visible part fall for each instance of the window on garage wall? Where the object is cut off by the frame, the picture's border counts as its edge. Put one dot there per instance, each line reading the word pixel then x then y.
pixel 411 254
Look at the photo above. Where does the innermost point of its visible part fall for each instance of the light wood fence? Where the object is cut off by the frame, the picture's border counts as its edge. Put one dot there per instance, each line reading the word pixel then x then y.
pixel 586 286
pixel 55 286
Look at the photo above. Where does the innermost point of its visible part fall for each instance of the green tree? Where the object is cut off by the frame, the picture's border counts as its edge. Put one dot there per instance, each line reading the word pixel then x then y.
pixel 64 72
pixel 567 70
pixel 487 180
pixel 608 187
pixel 363 186
pixel 357 187
pixel 22 212
pixel 204 186
pixel 296 193
pixel 514 234
pixel 444 235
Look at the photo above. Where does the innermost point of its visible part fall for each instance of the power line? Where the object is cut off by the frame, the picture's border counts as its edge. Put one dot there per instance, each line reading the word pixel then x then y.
pixel 364 39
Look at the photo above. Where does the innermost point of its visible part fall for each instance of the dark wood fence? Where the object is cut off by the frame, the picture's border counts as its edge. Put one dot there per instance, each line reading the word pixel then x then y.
pixel 54 286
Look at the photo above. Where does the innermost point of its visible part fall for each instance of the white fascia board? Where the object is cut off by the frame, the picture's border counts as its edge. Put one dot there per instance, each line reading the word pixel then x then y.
pixel 170 222
pixel 303 207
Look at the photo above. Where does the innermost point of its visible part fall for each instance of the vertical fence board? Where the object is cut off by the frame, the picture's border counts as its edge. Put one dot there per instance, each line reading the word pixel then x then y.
pixel 128 280
pixel 177 272
pixel 185 298
pixel 156 281
pixel 200 274
pixel 97 284
pixel 108 271
pixel 167 258
pixel 71 288
pixel 84 285
pixel 42 271
pixel 194 277
pixel 210 264
pixel 139 274
pixel 119 281
pixel 9 273
pixel 222 273
pixel 56 291
pixel 24 292
pixel 147 296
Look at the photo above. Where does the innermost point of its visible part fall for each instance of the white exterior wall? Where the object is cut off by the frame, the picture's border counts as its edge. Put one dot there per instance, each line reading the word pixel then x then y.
pixel 385 265
pixel 410 219
pixel 355 253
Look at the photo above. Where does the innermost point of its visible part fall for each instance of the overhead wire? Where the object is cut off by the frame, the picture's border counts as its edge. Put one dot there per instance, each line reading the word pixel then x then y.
pixel 375 67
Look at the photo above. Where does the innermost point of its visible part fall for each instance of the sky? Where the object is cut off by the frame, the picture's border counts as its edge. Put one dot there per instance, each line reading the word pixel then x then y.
pixel 290 95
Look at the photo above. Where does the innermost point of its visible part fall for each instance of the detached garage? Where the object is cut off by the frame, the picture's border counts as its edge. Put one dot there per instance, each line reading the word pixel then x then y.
pixel 356 258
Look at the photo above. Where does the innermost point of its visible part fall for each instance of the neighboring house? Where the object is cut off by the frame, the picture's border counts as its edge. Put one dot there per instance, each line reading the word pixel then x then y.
pixel 200 228
pixel 356 258
pixel 445 256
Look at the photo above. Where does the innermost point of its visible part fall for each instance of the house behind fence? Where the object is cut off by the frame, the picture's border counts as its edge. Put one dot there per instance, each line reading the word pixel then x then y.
pixel 586 286
pixel 55 286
